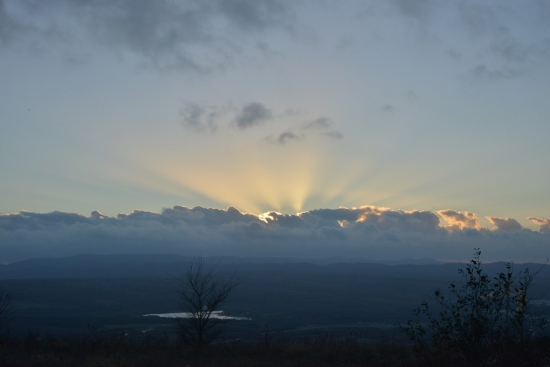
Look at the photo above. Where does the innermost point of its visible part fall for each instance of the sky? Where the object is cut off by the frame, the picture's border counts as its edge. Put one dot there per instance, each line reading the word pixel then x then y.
pixel 378 129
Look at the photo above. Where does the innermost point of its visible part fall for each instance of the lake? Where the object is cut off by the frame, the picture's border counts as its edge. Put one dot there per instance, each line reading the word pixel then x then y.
pixel 215 315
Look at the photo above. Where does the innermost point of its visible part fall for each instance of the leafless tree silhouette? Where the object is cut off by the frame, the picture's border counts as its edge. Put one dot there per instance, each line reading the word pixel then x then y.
pixel 201 290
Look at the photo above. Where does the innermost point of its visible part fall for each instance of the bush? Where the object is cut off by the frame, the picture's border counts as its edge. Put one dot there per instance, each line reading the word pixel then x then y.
pixel 484 317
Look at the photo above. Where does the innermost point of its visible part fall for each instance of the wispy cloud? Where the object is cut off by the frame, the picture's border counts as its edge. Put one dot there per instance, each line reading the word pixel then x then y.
pixel 321 126
pixel 483 72
pixel 284 137
pixel 388 108
pixel 201 117
pixel 419 10
pixel 496 31
pixel 321 123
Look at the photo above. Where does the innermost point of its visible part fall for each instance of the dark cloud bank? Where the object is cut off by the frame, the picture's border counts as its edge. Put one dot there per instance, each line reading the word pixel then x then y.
pixel 367 232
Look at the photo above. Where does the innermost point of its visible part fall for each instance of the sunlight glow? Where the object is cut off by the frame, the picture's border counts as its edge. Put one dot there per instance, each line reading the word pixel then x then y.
pixel 257 178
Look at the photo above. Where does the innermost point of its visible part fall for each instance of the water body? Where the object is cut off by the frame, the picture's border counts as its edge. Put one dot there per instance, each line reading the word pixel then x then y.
pixel 185 315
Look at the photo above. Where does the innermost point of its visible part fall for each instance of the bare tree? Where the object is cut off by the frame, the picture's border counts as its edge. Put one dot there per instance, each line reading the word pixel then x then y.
pixel 6 308
pixel 201 290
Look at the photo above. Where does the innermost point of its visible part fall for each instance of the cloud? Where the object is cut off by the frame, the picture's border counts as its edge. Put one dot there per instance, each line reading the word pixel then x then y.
pixel 163 34
pixel 10 28
pixel 506 50
pixel 199 118
pixel 207 216
pixel 419 10
pixel 333 134
pixel 460 220
pixel 203 36
pixel 320 126
pixel 388 108
pixel 411 96
pixel 483 72
pixel 455 55
pixel 479 19
pixel 367 231
pixel 202 117
pixel 488 24
pixel 323 126
pixel 284 137
pixel 252 114
pixel 257 15
pixel 321 123
pixel 501 39
pixel 542 222
pixel 508 224
pixel 404 221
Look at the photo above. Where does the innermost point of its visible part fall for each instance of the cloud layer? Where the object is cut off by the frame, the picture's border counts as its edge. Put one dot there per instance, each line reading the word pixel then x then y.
pixel 368 232
pixel 162 34
pixel 216 34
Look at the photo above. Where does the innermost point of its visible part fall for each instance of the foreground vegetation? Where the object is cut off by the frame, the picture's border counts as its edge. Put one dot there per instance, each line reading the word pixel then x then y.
pixel 34 350
pixel 483 320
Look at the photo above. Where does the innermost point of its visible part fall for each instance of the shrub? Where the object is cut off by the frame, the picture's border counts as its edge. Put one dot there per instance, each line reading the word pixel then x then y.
pixel 484 316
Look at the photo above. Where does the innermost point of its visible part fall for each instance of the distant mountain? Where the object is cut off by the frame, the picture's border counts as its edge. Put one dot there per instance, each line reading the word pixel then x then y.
pixel 169 265
pixel 408 261
pixel 351 260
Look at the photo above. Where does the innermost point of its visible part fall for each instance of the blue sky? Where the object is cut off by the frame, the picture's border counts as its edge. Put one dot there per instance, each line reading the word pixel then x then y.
pixel 284 106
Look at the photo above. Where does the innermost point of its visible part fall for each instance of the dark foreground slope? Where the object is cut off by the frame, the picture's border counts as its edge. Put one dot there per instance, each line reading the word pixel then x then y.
pixel 321 351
